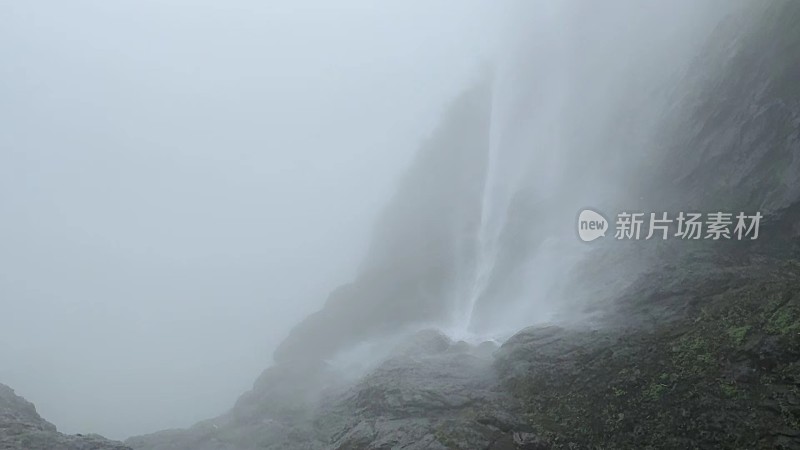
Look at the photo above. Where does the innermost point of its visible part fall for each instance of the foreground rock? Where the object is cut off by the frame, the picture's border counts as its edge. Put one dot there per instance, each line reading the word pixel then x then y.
pixel 21 428
pixel 724 373
pixel 430 393
pixel 717 367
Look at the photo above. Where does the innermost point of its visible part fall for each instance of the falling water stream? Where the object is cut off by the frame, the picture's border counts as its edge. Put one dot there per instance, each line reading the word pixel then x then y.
pixel 517 135
pixel 503 174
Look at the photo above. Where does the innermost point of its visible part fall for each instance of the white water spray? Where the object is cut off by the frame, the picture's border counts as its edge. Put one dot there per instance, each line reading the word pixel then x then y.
pixel 515 137
pixel 503 174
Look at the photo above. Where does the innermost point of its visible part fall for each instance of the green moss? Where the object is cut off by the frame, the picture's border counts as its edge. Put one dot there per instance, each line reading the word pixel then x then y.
pixel 728 390
pixel 783 321
pixel 737 334
pixel 673 387
pixel 654 391
pixel 692 355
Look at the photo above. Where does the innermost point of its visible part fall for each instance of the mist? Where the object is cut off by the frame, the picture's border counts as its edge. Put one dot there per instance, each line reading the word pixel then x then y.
pixel 182 182
pixel 352 224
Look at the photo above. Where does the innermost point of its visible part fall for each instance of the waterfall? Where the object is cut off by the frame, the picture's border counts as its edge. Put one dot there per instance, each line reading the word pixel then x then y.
pixel 499 186
pixel 523 117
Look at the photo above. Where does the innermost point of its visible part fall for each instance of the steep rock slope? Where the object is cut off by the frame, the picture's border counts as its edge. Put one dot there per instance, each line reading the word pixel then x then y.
pixel 418 243
pixel 732 139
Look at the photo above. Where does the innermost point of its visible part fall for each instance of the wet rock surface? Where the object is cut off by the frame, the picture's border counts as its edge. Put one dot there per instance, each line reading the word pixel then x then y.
pixel 723 375
pixel 430 393
pixel 715 365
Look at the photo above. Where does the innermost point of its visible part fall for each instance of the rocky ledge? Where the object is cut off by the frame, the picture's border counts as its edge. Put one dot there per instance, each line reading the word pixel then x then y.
pixel 21 428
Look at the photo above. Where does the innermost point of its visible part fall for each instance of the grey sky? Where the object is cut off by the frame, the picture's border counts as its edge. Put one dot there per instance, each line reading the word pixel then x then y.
pixel 182 181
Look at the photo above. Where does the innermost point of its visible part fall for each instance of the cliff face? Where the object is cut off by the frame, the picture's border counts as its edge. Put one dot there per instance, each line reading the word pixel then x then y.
pixel 418 244
pixel 21 427
pixel 735 143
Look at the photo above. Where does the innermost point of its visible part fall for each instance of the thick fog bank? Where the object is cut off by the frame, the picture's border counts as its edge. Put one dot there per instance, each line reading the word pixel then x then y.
pixel 181 182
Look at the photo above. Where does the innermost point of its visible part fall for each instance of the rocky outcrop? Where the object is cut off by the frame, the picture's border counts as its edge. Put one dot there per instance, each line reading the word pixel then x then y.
pixel 715 365
pixel 418 243
pixel 430 393
pixel 434 394
pixel 21 428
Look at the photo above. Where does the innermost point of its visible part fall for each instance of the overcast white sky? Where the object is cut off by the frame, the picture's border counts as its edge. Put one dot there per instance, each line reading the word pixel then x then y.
pixel 182 181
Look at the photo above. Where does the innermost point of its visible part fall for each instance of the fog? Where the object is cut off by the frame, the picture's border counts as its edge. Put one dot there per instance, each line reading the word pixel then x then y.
pixel 183 181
